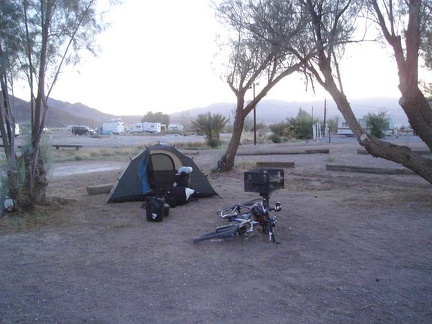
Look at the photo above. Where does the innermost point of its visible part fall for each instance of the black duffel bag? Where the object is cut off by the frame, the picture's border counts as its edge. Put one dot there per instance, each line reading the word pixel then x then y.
pixel 156 209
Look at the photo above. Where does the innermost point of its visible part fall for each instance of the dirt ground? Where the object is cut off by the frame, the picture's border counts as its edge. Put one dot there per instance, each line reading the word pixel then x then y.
pixel 355 248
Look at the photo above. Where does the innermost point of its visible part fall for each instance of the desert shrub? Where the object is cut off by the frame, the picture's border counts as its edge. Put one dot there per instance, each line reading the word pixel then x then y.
pixel 279 129
pixel 213 142
pixel 301 126
pixel 211 126
pixel 275 138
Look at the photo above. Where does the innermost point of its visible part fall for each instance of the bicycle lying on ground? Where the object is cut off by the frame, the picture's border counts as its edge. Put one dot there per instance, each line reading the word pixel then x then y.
pixel 244 218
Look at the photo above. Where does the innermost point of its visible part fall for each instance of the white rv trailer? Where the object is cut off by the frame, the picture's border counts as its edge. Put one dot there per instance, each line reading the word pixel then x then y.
pixel 17 129
pixel 343 128
pixel 146 128
pixel 175 127
pixel 116 127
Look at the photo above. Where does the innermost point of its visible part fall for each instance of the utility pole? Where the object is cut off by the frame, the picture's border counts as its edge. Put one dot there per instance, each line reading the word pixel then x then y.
pixel 325 111
pixel 255 137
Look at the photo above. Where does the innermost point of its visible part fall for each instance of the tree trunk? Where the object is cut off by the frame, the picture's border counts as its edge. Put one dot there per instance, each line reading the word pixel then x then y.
pixel 413 102
pixel 419 113
pixel 226 162
pixel 378 148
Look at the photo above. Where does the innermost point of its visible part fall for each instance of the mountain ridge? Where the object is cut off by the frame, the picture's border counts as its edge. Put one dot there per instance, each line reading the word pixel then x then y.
pixel 62 114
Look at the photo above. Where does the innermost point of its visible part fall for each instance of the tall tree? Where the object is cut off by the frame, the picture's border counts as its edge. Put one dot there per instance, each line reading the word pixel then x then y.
pixel 327 28
pixel 9 54
pixel 159 117
pixel 407 45
pixel 252 58
pixel 331 25
pixel 52 34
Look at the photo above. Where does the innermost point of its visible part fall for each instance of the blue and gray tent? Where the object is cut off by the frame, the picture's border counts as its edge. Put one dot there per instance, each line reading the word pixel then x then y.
pixel 156 168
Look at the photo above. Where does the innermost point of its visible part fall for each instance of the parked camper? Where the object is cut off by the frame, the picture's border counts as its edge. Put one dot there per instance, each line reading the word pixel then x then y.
pixel 175 128
pixel 152 127
pixel 137 128
pixel 343 128
pixel 17 129
pixel 116 127
pixel 146 128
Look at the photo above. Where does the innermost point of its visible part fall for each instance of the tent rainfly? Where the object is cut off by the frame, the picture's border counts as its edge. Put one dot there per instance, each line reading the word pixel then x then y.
pixel 155 168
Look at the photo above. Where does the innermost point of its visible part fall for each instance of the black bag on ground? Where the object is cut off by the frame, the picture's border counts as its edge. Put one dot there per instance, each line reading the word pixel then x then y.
pixel 155 209
pixel 183 180
pixel 176 196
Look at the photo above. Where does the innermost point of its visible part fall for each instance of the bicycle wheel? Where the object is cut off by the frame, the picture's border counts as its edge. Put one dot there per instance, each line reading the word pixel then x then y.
pixel 224 232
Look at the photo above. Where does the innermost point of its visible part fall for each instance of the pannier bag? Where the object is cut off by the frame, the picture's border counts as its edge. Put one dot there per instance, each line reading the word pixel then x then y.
pixel 183 177
pixel 177 196
pixel 156 209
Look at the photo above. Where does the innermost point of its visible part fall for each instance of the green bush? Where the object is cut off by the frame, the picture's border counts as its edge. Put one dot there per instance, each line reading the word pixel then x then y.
pixel 377 124
pixel 213 142
pixel 275 138
pixel 211 126
pixel 301 126
pixel 279 129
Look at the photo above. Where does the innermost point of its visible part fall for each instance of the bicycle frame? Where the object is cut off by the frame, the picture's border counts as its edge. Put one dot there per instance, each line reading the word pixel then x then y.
pixel 253 213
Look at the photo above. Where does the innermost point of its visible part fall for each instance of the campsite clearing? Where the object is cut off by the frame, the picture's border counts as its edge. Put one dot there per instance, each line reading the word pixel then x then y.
pixel 356 248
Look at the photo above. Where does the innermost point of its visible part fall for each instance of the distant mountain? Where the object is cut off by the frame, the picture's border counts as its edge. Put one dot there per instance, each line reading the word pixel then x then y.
pixel 62 113
pixel 273 111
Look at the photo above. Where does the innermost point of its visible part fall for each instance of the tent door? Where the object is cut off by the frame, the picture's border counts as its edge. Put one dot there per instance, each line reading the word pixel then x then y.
pixel 161 170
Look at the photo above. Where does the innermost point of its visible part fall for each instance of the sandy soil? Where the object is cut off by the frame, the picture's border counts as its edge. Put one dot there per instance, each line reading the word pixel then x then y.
pixel 356 248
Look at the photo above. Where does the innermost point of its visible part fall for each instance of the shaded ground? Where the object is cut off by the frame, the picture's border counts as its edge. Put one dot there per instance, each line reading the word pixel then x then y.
pixel 356 248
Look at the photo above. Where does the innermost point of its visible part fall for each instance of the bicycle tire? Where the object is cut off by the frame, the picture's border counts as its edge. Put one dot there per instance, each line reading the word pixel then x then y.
pixel 223 233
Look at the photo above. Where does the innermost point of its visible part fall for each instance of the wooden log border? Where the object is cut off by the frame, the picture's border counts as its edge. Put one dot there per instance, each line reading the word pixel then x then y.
pixel 421 152
pixel 283 165
pixel 347 168
pixel 318 151
pixel 99 189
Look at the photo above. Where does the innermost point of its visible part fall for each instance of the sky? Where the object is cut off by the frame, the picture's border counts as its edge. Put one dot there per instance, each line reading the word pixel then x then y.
pixel 157 56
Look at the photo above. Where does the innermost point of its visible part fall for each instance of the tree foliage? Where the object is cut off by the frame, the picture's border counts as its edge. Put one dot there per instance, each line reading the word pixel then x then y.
pixel 301 126
pixel 280 129
pixel 158 117
pixel 38 39
pixel 377 124
pixel 323 29
pixel 252 59
pixel 211 125
pixel 426 34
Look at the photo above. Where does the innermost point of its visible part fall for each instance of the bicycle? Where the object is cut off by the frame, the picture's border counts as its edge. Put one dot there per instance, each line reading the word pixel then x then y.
pixel 244 218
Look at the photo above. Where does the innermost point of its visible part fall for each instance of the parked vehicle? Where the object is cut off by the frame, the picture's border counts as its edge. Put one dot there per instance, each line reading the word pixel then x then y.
pixel 116 127
pixel 80 130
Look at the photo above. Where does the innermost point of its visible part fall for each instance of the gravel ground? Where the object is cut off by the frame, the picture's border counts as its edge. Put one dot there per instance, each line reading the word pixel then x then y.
pixel 355 248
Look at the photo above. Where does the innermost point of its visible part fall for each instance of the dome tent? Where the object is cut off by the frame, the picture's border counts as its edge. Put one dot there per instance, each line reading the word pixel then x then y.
pixel 156 168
